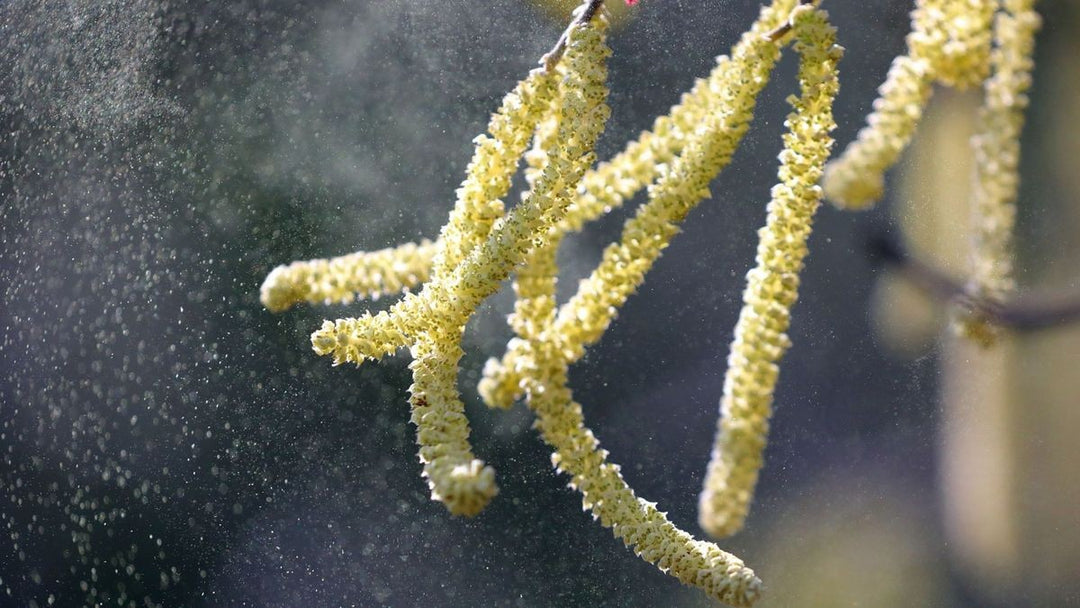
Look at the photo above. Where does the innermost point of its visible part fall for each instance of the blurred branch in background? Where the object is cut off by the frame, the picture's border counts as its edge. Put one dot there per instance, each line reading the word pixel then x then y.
pixel 1010 462
pixel 1022 312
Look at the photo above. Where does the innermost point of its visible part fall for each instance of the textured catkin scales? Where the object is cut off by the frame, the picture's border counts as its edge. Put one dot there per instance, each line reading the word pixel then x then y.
pixel 772 286
pixel 365 274
pixel 996 146
pixel 561 109
pixel 696 141
pixel 635 521
pixel 430 323
pixel 949 43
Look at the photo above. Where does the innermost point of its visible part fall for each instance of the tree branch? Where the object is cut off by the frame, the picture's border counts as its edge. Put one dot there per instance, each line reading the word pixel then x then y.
pixel 1027 312
pixel 583 14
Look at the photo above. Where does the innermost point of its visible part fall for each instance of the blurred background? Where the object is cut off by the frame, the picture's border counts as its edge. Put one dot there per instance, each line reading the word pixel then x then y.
pixel 165 441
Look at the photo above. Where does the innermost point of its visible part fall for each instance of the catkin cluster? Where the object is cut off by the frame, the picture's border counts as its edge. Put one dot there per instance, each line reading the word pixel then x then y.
pixel 561 109
pixel 956 43
pixel 949 43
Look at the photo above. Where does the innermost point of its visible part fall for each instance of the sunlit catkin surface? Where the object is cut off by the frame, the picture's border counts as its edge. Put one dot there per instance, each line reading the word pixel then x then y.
pixel 165 441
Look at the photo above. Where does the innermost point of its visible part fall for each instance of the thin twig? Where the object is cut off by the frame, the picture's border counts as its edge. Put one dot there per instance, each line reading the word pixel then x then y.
pixel 779 32
pixel 584 14
pixel 1023 312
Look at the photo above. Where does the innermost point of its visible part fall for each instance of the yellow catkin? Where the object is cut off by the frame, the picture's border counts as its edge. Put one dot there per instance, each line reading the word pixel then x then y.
pixel 456 478
pixel 535 280
pixel 493 165
pixel 856 180
pixel 996 145
pixel 731 95
pixel 358 275
pixel 612 182
pixel 772 286
pixel 635 521
pixel 949 43
pixel 954 37
pixel 603 189
pixel 431 322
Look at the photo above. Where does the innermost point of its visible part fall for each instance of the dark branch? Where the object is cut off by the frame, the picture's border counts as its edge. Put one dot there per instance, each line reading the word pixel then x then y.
pixel 1027 312
pixel 781 31
pixel 582 14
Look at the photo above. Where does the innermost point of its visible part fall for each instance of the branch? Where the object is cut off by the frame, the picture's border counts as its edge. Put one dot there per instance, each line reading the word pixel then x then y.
pixel 583 14
pixel 1022 313
pixel 779 32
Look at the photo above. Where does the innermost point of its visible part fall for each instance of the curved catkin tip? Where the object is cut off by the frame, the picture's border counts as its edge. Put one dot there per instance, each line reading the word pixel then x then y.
pixel 354 340
pixel 737 586
pixel 637 522
pixel 851 185
pixel 278 292
pixel 364 274
pixel 949 43
pixel 466 489
pixel 455 476
pixel 463 483
pixel 724 503
pixel 737 456
pixel 324 340
pixel 499 387
pixel 856 179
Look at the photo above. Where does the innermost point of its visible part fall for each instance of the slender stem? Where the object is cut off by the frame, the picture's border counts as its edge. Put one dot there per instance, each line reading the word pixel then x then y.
pixel 585 14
